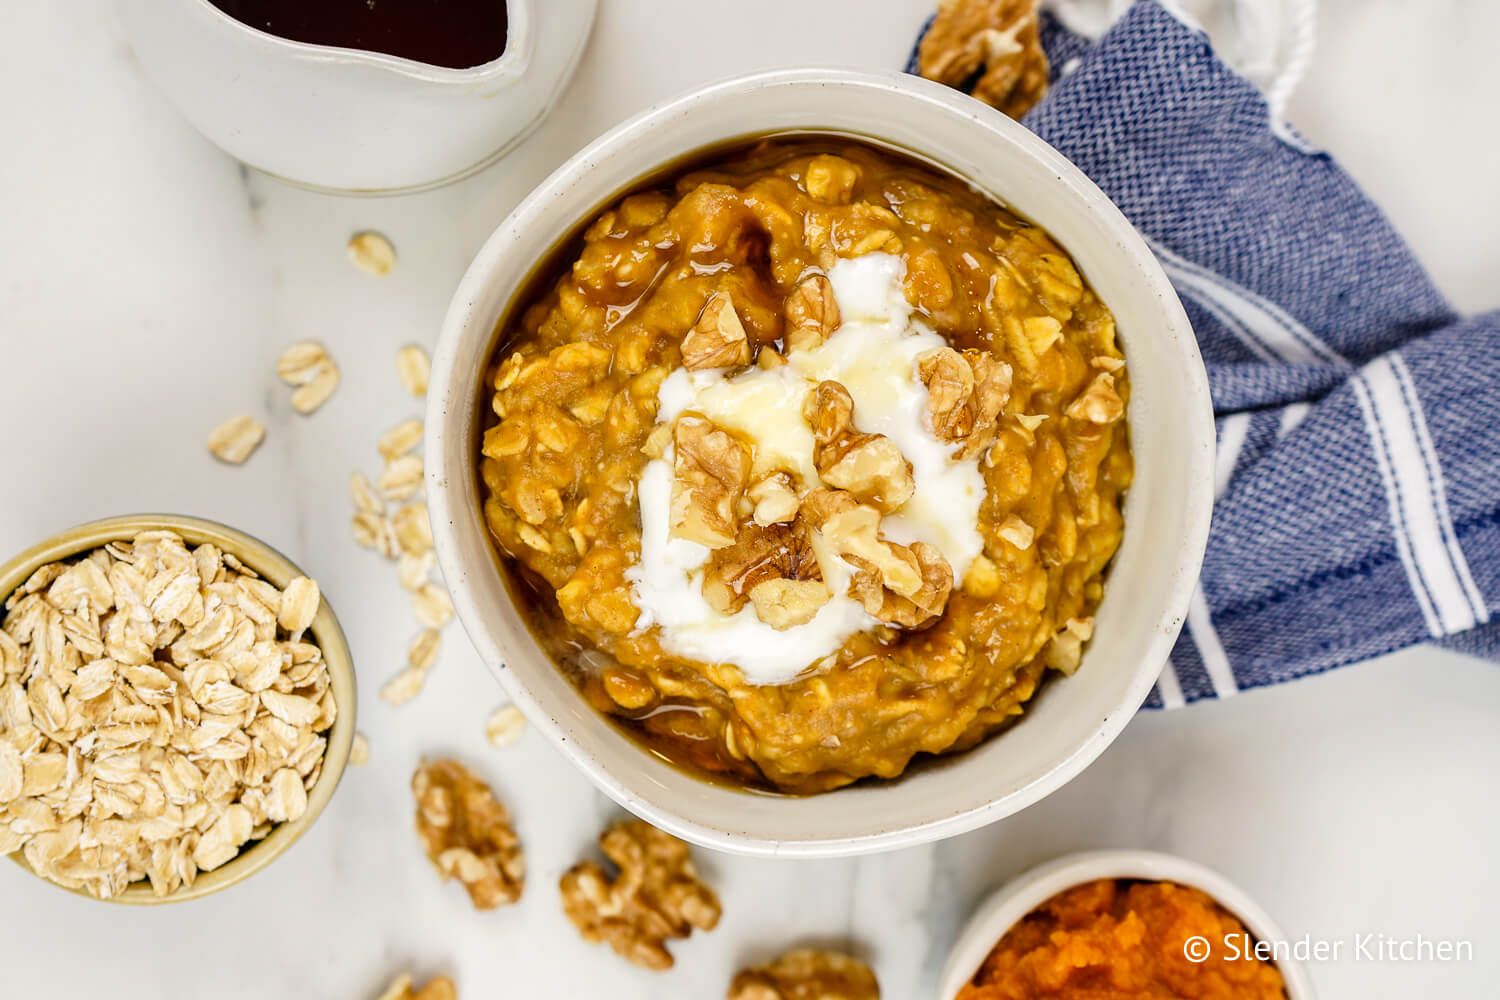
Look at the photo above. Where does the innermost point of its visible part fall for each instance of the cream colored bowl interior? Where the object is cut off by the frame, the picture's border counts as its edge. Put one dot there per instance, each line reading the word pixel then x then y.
pixel 1167 510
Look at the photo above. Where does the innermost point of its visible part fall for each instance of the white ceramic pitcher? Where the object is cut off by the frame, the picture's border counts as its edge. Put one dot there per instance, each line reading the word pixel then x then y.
pixel 350 120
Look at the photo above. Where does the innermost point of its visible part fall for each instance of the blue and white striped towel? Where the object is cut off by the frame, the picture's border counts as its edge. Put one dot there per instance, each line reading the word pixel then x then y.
pixel 1358 472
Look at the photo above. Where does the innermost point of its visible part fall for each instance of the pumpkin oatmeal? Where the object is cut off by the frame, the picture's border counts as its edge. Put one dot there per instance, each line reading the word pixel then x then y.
pixel 808 462
pixel 1122 939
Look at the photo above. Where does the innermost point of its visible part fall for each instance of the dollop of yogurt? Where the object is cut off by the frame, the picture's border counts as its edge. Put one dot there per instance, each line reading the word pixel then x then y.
pixel 873 354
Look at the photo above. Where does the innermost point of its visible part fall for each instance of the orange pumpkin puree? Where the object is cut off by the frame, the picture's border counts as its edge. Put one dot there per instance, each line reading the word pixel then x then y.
pixel 1122 940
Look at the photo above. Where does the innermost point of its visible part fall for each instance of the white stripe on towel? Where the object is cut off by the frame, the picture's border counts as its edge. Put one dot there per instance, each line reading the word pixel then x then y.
pixel 1168 687
pixel 1215 660
pixel 1417 522
pixel 1291 416
pixel 1232 433
pixel 1439 488
pixel 1250 317
pixel 1200 623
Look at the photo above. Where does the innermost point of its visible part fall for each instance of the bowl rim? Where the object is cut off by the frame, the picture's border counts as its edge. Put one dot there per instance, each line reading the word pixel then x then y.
pixel 277 569
pixel 450 388
pixel 1003 908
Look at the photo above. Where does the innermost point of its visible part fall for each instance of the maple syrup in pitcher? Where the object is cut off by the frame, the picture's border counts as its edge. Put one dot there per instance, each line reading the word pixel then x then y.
pixel 457 34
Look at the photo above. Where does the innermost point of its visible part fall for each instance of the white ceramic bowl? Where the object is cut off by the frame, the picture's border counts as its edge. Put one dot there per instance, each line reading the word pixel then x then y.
pixel 349 120
pixel 1073 719
pixel 1019 897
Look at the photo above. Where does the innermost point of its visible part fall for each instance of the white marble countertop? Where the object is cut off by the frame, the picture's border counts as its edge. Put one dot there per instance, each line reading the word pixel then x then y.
pixel 148 284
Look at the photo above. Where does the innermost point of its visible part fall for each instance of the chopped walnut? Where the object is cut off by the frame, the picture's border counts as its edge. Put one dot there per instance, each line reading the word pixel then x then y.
pixel 718 339
pixel 905 585
pixel 1099 403
pixel 812 313
pixel 869 466
pixel 912 610
pixel 776 551
pixel 854 532
pixel 1001 37
pixel 783 604
pixel 656 897
pixel 807 974
pixel 1017 532
pixel 775 499
pixel 710 472
pixel 1065 651
pixel 467 833
pixel 965 394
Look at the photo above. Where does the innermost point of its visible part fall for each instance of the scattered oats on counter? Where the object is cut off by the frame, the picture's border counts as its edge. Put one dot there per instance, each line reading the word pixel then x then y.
pixel 656 897
pixel 312 373
pixel 807 974
pixel 437 988
pixel 359 750
pixel 236 439
pixel 505 726
pixel 414 368
pixel 467 833
pixel 420 657
pixel 370 251
pixel 159 709
pixel 391 518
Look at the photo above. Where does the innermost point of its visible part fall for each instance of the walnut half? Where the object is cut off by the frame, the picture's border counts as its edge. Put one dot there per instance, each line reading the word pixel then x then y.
pixel 710 470
pixel 718 339
pixel 656 897
pixel 812 313
pixel 761 554
pixel 467 833
pixel 868 466
pixel 965 394
pixel 807 974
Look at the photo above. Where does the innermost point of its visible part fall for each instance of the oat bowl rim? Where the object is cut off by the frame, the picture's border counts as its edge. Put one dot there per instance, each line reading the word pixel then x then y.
pixel 276 568
pixel 1167 509
pixel 1003 908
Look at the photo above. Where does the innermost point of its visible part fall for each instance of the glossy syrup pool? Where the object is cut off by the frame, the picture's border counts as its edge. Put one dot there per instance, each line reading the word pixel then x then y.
pixel 456 34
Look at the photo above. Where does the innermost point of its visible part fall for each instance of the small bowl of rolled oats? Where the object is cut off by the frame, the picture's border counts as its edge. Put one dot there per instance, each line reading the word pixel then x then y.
pixel 176 707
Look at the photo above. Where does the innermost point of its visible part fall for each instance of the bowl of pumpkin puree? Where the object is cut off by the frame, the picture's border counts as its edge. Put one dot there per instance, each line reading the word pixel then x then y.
pixel 1122 925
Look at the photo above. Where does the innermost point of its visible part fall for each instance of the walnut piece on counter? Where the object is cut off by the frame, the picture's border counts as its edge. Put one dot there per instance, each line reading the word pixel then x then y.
pixel 807 974
pixel 760 554
pixel 467 833
pixel 1000 37
pixel 436 988
pixel 965 394
pixel 710 471
pixel 812 313
pixel 868 466
pixel 656 897
pixel 718 339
